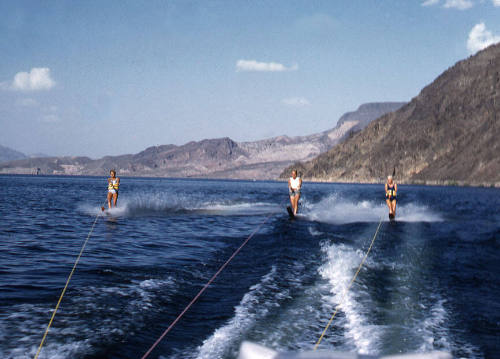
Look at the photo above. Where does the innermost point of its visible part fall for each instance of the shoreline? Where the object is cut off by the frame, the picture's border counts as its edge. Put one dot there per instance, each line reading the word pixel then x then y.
pixel 443 183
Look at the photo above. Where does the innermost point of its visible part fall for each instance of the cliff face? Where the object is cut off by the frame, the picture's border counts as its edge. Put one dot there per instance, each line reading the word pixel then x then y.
pixel 449 133
pixel 366 113
pixel 216 158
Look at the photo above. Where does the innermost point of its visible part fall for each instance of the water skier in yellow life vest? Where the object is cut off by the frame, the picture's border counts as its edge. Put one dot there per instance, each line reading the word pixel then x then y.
pixel 294 185
pixel 391 190
pixel 113 185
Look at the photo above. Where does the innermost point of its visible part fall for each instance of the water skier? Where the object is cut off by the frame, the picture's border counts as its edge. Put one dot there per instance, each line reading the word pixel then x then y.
pixel 294 186
pixel 113 185
pixel 391 189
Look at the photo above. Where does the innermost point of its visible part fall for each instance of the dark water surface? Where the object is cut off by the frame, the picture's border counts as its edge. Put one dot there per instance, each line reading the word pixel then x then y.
pixel 431 282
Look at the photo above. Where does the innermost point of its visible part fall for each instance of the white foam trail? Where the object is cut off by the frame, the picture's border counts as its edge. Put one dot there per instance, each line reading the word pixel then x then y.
pixel 313 232
pixel 143 202
pixel 412 212
pixel 246 313
pixel 141 293
pixel 338 210
pixel 89 209
pixel 432 329
pixel 273 316
pixel 238 208
pixel 164 203
pixel 54 351
pixel 300 323
pixel 29 320
pixel 341 264
pixel 435 334
pixel 93 210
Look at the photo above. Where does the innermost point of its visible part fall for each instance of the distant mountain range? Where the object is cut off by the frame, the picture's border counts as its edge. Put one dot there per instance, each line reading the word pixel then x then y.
pixel 8 154
pixel 448 134
pixel 214 158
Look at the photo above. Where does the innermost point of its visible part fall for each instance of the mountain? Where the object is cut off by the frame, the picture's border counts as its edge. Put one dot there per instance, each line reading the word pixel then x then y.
pixel 8 154
pixel 215 158
pixel 448 134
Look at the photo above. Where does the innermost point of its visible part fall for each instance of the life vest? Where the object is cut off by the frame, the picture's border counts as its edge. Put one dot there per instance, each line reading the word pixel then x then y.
pixel 113 184
pixel 295 183
pixel 391 191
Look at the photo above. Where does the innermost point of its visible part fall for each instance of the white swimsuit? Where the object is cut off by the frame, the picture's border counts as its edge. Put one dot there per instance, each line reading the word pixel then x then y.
pixel 295 185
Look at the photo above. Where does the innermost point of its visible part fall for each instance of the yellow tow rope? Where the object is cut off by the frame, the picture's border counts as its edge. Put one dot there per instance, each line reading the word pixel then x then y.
pixel 348 287
pixel 65 287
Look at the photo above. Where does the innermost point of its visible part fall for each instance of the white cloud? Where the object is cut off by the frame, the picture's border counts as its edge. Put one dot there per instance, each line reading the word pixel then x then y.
pixel 252 65
pixel 430 2
pixel 296 101
pixel 27 102
pixel 480 38
pixel 37 79
pixel 51 118
pixel 458 4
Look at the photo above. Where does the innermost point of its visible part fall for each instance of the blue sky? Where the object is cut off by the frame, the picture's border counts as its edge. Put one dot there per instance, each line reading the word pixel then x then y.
pixel 102 78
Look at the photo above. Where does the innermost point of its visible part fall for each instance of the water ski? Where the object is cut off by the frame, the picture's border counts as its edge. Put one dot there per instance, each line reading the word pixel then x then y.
pixel 391 217
pixel 290 212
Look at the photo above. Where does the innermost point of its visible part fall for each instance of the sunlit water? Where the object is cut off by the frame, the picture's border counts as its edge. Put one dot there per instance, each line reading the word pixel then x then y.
pixel 431 282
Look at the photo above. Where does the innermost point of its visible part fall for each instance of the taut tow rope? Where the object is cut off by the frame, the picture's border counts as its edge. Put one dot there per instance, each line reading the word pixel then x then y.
pixel 348 287
pixel 206 286
pixel 65 287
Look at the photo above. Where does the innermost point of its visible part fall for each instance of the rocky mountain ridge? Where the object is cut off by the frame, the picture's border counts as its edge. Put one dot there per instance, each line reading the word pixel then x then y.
pixel 215 158
pixel 448 134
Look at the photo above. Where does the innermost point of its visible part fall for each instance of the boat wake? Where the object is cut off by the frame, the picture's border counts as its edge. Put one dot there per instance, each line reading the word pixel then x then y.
pixel 338 210
pixel 341 262
pixel 252 307
pixel 94 304
pixel 166 204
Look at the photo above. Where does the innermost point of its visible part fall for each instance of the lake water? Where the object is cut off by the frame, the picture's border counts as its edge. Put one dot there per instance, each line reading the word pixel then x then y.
pixel 431 282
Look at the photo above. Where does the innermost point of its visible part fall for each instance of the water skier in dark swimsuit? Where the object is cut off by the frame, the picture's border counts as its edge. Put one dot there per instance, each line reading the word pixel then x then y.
pixel 391 189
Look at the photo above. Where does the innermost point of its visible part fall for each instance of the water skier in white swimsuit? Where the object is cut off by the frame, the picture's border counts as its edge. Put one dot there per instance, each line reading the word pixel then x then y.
pixel 294 186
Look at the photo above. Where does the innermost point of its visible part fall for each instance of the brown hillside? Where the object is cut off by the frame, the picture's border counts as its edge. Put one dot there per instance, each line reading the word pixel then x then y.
pixel 449 133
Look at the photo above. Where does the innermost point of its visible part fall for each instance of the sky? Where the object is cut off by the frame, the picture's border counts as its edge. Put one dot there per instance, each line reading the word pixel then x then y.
pixel 96 78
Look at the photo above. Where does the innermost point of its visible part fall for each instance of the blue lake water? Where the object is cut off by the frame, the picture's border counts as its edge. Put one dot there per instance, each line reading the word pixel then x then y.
pixel 431 282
